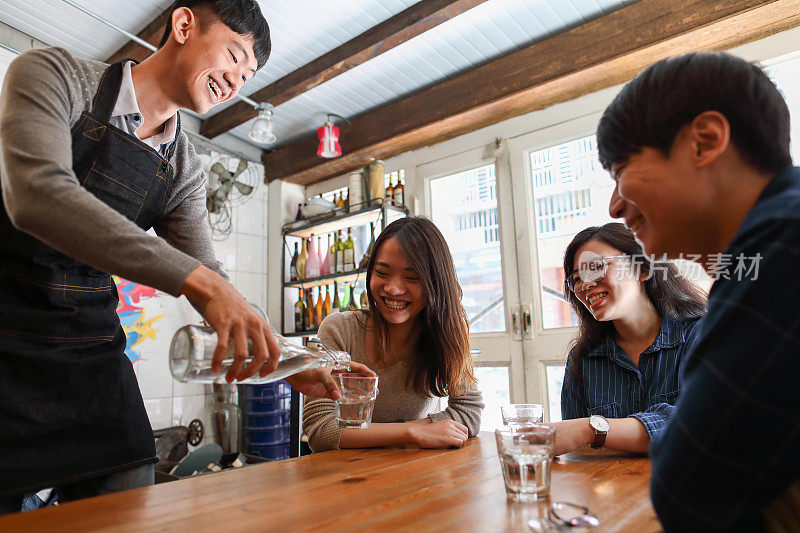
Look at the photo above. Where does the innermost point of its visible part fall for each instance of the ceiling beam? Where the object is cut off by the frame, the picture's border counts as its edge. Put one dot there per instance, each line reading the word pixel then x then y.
pixel 151 33
pixel 379 39
pixel 605 52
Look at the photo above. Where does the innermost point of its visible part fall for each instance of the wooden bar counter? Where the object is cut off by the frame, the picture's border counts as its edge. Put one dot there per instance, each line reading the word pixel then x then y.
pixel 383 489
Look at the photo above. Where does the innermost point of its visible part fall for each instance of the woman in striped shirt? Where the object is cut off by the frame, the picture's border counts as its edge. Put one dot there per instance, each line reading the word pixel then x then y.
pixel 637 323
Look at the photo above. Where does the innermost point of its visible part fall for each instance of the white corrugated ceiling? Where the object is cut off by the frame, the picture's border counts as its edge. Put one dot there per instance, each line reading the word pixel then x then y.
pixel 303 30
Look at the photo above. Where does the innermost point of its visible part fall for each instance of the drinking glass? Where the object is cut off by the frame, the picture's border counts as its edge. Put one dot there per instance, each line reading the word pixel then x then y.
pixel 526 458
pixel 354 408
pixel 522 414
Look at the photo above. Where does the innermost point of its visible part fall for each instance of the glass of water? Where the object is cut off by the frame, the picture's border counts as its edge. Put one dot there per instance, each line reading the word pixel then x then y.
pixel 354 408
pixel 526 458
pixel 522 414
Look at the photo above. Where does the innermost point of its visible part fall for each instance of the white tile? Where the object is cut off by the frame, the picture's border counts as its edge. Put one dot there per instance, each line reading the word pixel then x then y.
pixel 187 389
pixel 159 412
pixel 251 217
pixel 226 252
pixel 249 253
pixel 252 287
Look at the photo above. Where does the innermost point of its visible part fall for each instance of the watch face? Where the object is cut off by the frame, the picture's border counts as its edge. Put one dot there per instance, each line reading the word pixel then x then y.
pixel 599 423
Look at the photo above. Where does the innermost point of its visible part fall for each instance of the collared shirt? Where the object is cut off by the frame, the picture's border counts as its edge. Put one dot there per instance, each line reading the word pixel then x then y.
pixel 127 117
pixel 613 386
pixel 733 444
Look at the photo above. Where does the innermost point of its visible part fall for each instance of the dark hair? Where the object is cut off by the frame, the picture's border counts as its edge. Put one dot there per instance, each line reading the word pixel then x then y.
pixel 670 293
pixel 441 363
pixel 653 107
pixel 242 16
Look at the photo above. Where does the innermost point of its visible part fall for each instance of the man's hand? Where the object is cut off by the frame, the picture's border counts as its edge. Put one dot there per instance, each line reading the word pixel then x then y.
pixel 235 322
pixel 438 434
pixel 319 382
pixel 572 434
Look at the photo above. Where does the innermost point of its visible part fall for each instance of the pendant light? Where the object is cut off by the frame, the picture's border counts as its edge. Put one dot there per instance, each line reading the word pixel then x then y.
pixel 263 130
pixel 328 140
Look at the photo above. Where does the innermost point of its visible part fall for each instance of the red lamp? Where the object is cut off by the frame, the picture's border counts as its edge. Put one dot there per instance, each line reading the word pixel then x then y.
pixel 328 140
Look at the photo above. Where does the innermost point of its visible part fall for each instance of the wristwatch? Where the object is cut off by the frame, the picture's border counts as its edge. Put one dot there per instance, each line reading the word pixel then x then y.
pixel 600 426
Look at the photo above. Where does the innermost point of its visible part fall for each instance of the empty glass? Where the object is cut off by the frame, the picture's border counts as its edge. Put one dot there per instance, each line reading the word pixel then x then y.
pixel 354 408
pixel 522 414
pixel 526 458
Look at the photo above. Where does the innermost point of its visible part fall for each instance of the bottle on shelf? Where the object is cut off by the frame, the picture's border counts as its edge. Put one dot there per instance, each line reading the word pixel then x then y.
pixel 346 299
pixel 349 252
pixel 340 267
pixel 325 255
pixel 389 192
pixel 301 262
pixel 310 323
pixel 336 305
pixel 312 263
pixel 192 351
pixel 364 300
pixel 299 314
pixel 340 201
pixel 320 306
pixel 400 192
pixel 332 244
pixel 347 201
pixel 326 305
pixel 293 265
pixel 352 304
pixel 336 200
pixel 299 215
pixel 370 247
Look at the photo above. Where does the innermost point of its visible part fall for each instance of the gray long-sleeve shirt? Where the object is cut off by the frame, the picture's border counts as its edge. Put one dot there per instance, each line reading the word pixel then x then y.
pixel 43 95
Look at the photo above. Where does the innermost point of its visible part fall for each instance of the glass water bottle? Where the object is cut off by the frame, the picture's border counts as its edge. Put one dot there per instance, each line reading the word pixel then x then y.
pixel 192 351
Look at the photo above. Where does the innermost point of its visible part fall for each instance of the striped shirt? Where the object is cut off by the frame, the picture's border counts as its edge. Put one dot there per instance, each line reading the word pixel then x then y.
pixel 733 444
pixel 613 386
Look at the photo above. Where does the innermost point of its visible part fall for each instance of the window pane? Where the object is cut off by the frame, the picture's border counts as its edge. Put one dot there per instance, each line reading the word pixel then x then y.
pixel 464 207
pixel 571 191
pixel 555 379
pixel 494 383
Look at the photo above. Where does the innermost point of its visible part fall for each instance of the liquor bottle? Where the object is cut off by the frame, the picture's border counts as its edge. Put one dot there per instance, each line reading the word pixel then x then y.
pixel 325 255
pixel 352 305
pixel 293 265
pixel 326 305
pixel 310 312
pixel 346 299
pixel 312 263
pixel 192 351
pixel 299 215
pixel 320 306
pixel 365 259
pixel 364 300
pixel 340 254
pixel 336 199
pixel 301 262
pixel 400 193
pixel 336 305
pixel 389 192
pixel 299 314
pixel 349 252
pixel 340 201
pixel 332 243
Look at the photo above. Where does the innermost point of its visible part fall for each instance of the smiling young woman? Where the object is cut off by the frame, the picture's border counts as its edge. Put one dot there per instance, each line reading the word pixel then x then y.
pixel 637 322
pixel 415 336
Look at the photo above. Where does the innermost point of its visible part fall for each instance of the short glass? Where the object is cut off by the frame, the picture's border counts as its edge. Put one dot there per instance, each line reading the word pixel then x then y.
pixel 354 408
pixel 526 458
pixel 522 414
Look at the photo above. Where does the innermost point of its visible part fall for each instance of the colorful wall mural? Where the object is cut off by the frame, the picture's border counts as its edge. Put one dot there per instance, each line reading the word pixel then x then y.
pixel 137 325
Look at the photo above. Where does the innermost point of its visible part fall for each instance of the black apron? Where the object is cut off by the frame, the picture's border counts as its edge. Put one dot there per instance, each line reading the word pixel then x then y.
pixel 70 406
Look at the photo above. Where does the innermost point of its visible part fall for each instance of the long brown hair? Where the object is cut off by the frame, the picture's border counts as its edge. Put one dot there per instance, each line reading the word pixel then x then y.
pixel 670 293
pixel 441 362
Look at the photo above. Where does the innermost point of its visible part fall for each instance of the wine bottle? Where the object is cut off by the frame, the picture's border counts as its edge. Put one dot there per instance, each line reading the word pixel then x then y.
pixel 325 254
pixel 301 262
pixel 400 193
pixel 336 305
pixel 364 260
pixel 327 304
pixel 349 252
pixel 352 305
pixel 312 263
pixel 299 215
pixel 299 314
pixel 293 265
pixel 346 299
pixel 389 192
pixel 192 351
pixel 320 306
pixel 332 243
pixel 340 267
pixel 310 311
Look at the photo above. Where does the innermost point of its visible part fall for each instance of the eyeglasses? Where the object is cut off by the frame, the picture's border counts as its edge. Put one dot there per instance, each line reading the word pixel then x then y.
pixel 593 270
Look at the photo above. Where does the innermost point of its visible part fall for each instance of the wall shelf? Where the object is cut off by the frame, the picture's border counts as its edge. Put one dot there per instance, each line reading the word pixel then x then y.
pixel 323 224
pixel 304 284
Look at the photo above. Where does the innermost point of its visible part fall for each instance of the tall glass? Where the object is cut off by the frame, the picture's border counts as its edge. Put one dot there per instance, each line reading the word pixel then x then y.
pixel 192 351
pixel 526 458
pixel 354 408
